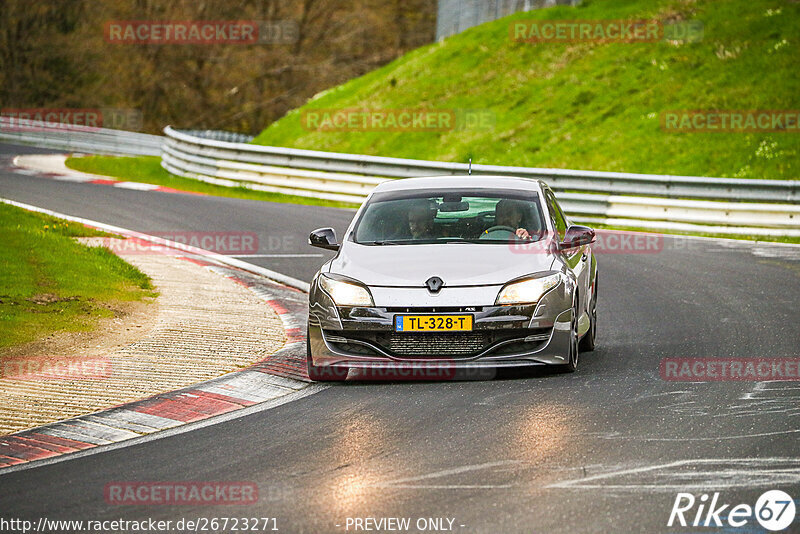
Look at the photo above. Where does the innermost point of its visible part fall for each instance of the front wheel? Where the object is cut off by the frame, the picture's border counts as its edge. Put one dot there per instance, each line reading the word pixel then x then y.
pixel 572 359
pixel 325 373
pixel 587 343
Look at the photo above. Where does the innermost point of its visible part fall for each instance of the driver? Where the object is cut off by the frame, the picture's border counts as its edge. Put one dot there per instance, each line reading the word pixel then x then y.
pixel 420 221
pixel 510 213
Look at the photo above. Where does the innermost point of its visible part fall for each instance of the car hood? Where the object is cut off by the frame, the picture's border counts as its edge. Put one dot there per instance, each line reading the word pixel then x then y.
pixel 457 264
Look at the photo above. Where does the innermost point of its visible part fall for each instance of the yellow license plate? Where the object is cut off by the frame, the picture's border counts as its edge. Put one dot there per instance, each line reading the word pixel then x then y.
pixel 432 323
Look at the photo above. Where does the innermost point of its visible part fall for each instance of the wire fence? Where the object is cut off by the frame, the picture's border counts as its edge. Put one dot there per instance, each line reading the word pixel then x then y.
pixel 455 16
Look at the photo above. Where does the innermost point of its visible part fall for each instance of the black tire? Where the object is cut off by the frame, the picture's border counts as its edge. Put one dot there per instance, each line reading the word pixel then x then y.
pixel 323 373
pixel 587 343
pixel 572 361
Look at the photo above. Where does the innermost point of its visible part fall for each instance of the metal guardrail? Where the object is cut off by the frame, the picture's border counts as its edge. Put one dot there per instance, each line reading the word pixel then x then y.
pixel 79 139
pixel 718 205
pixel 734 189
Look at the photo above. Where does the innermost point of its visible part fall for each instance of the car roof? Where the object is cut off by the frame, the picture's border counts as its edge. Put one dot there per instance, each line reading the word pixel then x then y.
pixel 460 182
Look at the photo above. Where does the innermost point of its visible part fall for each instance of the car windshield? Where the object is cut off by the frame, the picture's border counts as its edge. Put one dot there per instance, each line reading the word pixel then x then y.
pixel 475 217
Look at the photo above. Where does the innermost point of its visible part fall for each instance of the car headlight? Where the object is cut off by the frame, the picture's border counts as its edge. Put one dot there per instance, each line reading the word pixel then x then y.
pixel 527 291
pixel 345 293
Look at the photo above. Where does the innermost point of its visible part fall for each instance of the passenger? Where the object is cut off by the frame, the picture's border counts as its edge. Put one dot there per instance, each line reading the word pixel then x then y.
pixel 390 222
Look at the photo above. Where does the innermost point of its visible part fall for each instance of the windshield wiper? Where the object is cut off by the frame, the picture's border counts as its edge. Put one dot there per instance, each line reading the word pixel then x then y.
pixel 386 242
pixel 455 240
pixel 471 240
pixel 431 241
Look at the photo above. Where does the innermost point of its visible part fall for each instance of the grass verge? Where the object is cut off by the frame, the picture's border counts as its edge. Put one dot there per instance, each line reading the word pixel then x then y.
pixel 148 169
pixel 50 283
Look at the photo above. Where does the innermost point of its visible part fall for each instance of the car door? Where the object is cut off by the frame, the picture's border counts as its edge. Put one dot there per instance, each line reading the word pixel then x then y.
pixel 577 258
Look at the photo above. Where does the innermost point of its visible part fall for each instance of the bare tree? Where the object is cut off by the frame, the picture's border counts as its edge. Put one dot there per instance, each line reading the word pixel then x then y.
pixel 53 53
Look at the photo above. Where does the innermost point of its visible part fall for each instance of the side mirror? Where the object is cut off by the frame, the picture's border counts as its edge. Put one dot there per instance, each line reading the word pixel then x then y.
pixel 577 236
pixel 323 238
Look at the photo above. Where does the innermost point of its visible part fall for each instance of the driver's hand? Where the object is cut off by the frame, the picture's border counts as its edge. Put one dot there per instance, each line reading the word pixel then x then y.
pixel 522 233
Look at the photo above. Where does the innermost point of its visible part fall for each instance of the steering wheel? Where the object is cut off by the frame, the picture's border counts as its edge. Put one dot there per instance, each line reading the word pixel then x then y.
pixel 501 227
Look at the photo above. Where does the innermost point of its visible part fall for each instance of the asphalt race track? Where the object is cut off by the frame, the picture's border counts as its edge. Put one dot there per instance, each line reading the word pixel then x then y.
pixel 606 449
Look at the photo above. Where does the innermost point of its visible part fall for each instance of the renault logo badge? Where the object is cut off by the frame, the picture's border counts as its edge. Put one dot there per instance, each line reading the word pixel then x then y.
pixel 434 284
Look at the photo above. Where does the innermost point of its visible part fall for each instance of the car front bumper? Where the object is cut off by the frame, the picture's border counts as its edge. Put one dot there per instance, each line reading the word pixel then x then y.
pixel 502 336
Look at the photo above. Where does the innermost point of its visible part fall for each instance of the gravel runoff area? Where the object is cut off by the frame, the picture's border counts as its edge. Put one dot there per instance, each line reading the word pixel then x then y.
pixel 201 326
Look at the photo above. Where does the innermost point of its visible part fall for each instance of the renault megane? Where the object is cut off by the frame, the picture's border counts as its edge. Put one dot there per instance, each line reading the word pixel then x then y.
pixel 459 272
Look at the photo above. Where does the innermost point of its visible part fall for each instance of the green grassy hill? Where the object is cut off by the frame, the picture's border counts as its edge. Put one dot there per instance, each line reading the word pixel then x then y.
pixel 587 105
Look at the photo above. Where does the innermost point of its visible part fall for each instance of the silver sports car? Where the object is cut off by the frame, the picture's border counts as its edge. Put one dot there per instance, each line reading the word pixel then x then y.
pixel 454 272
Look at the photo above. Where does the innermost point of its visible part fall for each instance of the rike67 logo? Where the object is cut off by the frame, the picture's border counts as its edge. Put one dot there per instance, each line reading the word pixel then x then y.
pixel 774 510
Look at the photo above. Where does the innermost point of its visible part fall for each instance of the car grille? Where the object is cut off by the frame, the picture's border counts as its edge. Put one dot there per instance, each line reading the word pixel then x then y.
pixel 453 344
pixel 433 345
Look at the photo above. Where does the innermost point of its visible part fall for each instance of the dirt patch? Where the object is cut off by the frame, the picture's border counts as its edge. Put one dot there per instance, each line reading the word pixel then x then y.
pixel 49 298
pixel 131 321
